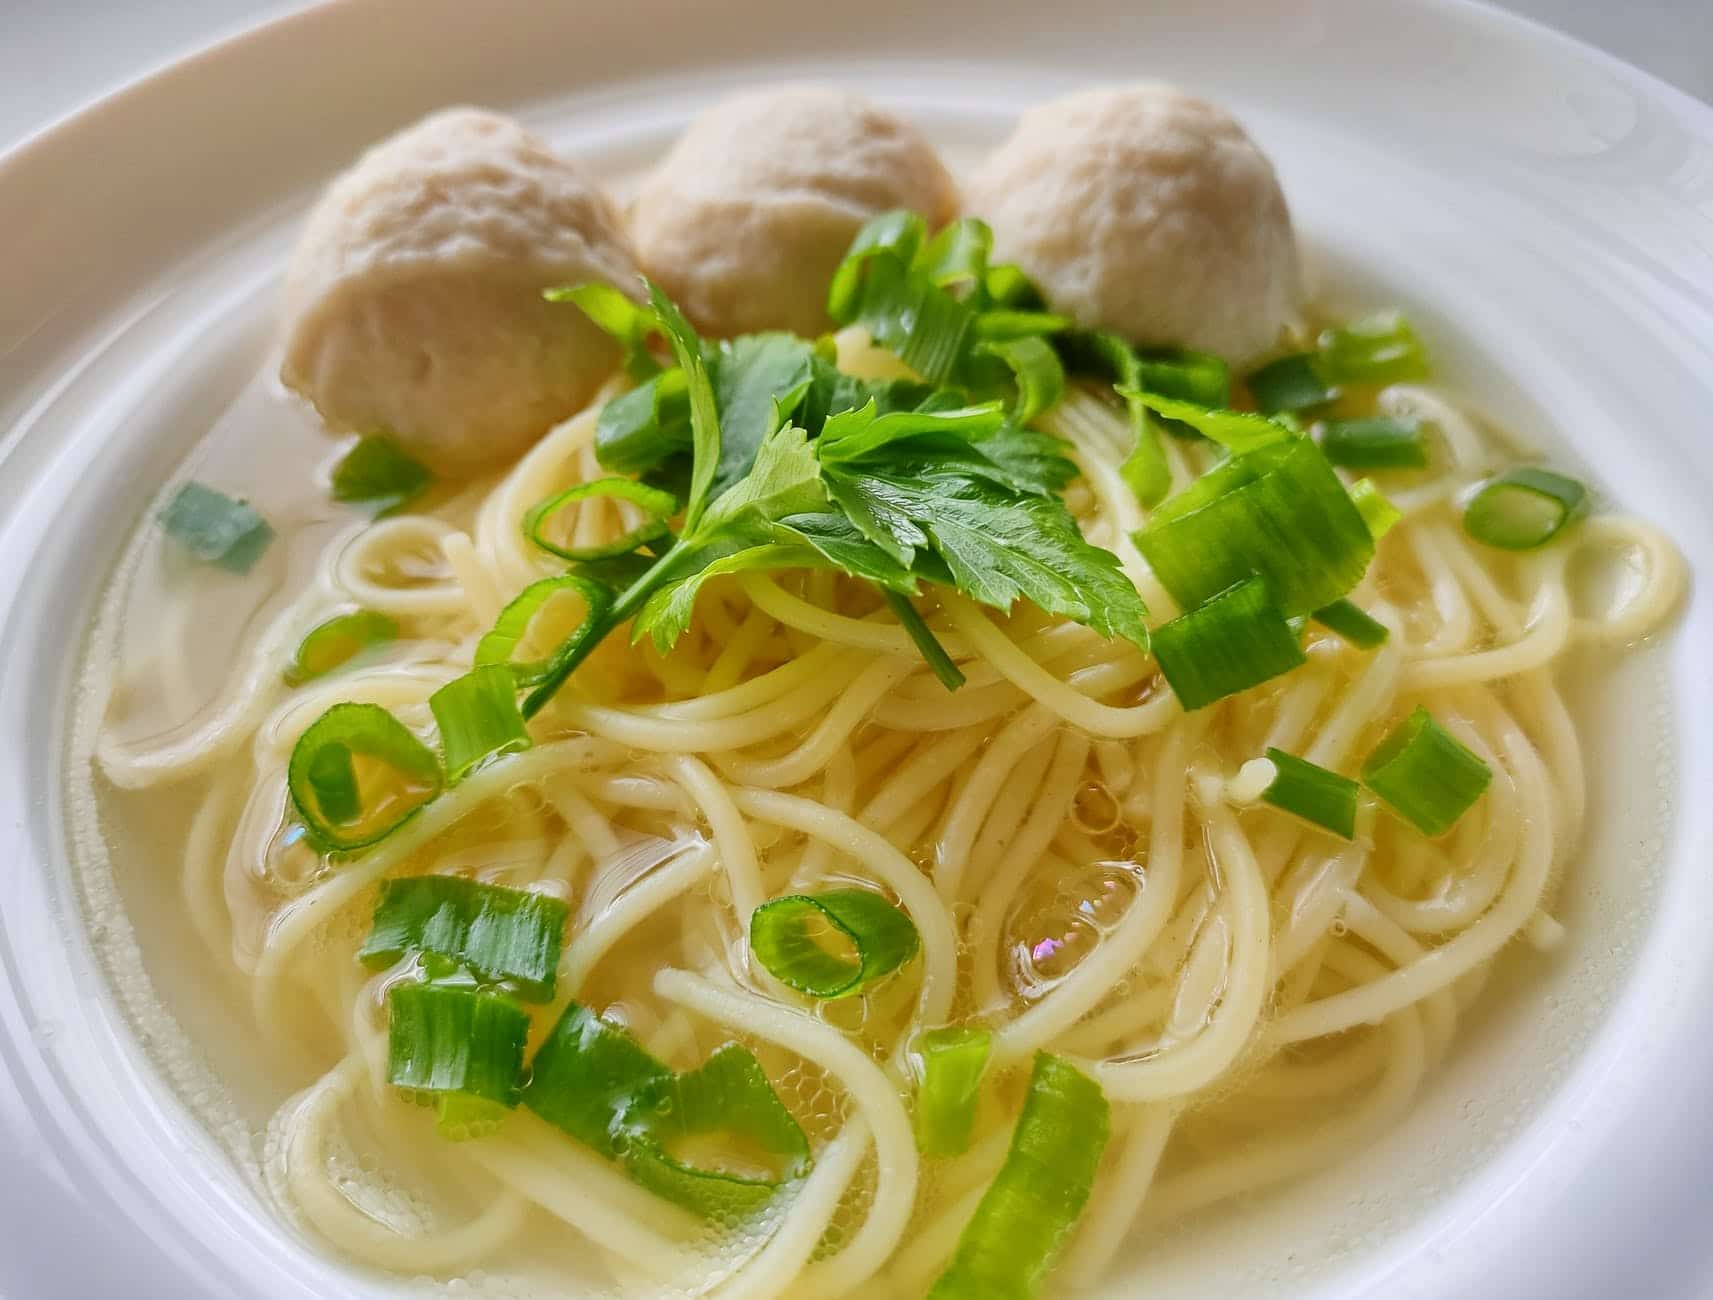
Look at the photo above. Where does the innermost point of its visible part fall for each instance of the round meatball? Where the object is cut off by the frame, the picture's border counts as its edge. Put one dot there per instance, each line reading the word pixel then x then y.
pixel 413 303
pixel 744 222
pixel 1143 210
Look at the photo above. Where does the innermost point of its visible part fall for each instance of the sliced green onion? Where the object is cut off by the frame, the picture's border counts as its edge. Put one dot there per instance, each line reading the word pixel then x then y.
pixel 500 642
pixel 1237 431
pixel 1377 511
pixel 1309 791
pixel 637 430
pixel 377 472
pixel 787 933
pixel 1037 371
pixel 343 809
pixel 593 1081
pixel 336 642
pixel 1028 1212
pixel 1378 349
pixel 1144 471
pixel 1425 774
pixel 586 1076
pixel 478 719
pixel 459 1049
pixel 953 1060
pixel 1009 286
pixel 999 323
pixel 919 321
pixel 656 506
pixel 1279 511
pixel 898 234
pixel 629 323
pixel 1524 508
pixel 1353 624
pixel 1289 384
pixel 216 528
pixel 1227 644
pixel 727 1094
pixel 496 933
pixel 1189 376
pixel 957 255
pixel 950 675
pixel 1377 443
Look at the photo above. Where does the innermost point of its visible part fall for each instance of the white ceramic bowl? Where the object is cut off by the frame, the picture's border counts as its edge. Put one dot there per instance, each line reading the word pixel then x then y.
pixel 1545 213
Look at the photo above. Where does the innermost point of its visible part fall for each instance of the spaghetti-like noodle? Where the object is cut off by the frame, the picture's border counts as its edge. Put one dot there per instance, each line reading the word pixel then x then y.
pixel 1085 869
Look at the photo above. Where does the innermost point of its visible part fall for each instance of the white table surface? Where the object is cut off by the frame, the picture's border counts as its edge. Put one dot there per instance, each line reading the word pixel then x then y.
pixel 56 55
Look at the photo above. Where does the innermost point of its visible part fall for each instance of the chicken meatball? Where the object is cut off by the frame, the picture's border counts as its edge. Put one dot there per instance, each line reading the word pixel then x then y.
pixel 1146 211
pixel 746 219
pixel 413 302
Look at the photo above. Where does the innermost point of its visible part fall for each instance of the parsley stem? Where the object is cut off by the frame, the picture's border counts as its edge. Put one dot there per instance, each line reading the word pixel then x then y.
pixel 581 643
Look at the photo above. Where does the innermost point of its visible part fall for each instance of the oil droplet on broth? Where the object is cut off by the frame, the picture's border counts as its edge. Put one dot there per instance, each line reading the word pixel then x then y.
pixel 1058 921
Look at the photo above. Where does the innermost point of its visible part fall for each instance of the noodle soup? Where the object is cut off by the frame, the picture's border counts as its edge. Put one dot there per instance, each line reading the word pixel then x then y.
pixel 890 917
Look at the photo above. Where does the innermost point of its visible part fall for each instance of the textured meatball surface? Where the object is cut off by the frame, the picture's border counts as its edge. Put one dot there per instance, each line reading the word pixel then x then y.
pixel 746 218
pixel 413 302
pixel 1146 211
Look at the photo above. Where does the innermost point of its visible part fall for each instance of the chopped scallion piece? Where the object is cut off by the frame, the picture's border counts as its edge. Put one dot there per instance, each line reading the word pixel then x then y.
pixel 377 472
pixel 1036 369
pixel 727 1094
pixel 953 1060
pixel 1003 323
pixel 956 257
pixel 1278 511
pixel 950 675
pixel 1377 511
pixel 478 719
pixel 344 809
pixel 656 508
pixel 899 234
pixel 1229 643
pixel 1144 471
pixel 1309 791
pixel 1289 384
pixel 919 321
pixel 336 642
pixel 1028 1212
pixel 1009 286
pixel 790 936
pixel 629 323
pixel 496 933
pixel 1353 624
pixel 500 643
pixel 1425 775
pixel 593 1081
pixel 1378 349
pixel 1377 443
pixel 216 528
pixel 460 1050
pixel 1189 376
pixel 1524 508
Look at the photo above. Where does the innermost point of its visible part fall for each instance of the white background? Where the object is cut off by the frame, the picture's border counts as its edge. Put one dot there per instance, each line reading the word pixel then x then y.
pixel 58 54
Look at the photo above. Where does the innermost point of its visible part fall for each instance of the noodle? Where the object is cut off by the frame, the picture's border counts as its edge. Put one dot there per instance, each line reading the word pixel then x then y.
pixel 1229 970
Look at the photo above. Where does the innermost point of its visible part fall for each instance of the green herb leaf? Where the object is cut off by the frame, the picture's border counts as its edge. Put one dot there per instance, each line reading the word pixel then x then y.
pixel 638 430
pixel 998 546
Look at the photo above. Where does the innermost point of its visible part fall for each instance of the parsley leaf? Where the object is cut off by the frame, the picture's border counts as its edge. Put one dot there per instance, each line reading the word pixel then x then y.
pixel 997 545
